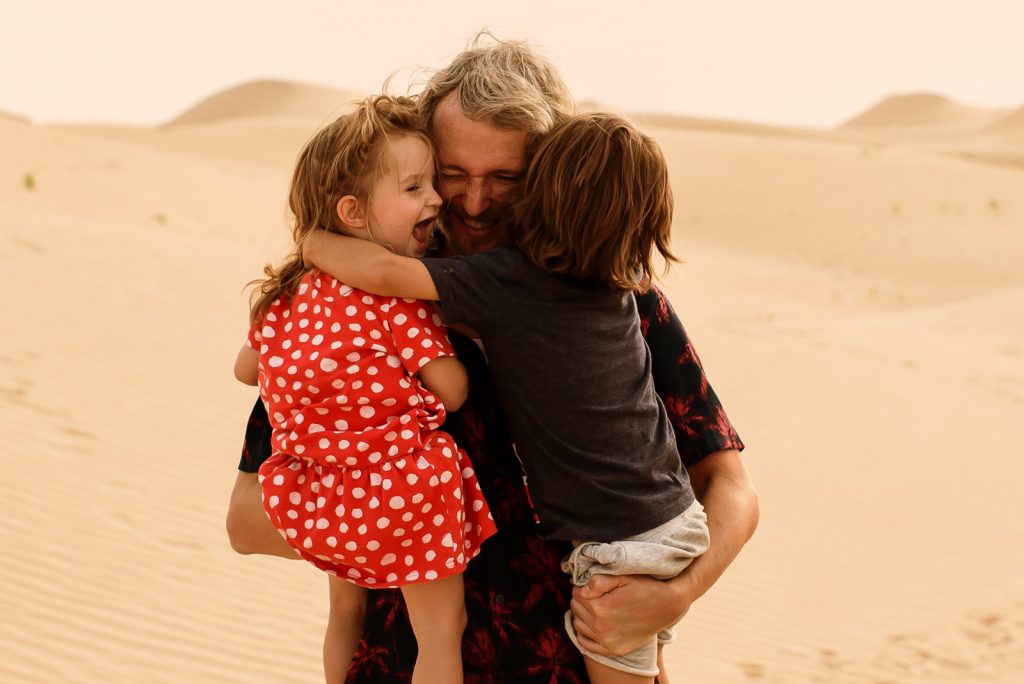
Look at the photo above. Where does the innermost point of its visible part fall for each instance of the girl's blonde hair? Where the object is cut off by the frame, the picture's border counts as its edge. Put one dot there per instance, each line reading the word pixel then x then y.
pixel 596 202
pixel 346 157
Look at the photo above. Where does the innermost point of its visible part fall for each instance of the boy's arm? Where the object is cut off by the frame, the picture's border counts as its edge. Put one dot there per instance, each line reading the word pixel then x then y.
pixel 247 365
pixel 446 377
pixel 368 266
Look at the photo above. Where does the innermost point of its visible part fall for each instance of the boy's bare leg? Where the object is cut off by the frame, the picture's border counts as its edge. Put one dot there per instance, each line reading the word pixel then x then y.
pixel 662 670
pixel 602 674
pixel 249 528
pixel 344 626
pixel 437 611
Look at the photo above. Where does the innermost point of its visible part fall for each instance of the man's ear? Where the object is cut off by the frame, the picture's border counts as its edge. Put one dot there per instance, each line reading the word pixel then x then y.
pixel 352 211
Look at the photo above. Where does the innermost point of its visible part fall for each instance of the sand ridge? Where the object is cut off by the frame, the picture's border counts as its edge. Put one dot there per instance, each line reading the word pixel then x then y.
pixel 856 301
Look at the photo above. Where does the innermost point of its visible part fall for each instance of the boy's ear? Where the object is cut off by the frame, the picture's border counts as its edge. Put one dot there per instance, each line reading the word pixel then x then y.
pixel 351 211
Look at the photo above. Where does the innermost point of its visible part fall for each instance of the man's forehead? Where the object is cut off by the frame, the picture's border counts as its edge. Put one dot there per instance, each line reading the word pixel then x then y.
pixel 476 147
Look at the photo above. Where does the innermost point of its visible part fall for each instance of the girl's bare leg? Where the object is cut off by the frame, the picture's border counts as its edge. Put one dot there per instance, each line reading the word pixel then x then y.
pixel 602 674
pixel 437 611
pixel 344 626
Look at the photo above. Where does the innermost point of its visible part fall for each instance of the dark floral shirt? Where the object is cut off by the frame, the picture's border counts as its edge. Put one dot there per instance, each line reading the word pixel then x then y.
pixel 516 594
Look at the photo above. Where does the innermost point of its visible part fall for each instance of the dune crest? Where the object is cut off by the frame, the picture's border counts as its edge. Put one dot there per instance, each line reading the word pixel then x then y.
pixel 1011 125
pixel 923 110
pixel 267 99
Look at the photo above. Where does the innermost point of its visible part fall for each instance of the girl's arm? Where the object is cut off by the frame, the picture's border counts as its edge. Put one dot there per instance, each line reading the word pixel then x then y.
pixel 247 365
pixel 368 266
pixel 446 377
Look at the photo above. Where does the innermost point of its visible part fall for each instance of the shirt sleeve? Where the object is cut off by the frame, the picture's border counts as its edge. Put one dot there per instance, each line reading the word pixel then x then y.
pixel 418 331
pixel 469 287
pixel 255 339
pixel 700 422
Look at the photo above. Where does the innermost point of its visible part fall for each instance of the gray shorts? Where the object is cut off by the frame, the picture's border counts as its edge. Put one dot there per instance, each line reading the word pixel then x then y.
pixel 662 553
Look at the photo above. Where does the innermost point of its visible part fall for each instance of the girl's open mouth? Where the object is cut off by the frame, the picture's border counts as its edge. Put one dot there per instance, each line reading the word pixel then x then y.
pixel 421 231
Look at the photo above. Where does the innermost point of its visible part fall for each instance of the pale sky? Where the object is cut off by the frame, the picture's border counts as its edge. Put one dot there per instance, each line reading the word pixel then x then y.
pixel 799 62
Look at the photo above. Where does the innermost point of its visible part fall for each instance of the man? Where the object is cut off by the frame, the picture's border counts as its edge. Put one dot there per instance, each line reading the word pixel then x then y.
pixel 483 111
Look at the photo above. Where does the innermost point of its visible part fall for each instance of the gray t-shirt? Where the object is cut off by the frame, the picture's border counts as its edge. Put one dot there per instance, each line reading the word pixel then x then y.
pixel 574 374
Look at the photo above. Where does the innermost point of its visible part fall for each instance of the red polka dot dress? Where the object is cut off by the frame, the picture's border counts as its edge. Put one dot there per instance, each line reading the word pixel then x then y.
pixel 362 482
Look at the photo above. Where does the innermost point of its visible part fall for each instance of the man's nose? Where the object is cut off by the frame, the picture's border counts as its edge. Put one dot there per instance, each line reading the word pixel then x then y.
pixel 476 198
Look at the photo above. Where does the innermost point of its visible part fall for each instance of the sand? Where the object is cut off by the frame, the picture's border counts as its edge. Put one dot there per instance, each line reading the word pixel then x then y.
pixel 856 296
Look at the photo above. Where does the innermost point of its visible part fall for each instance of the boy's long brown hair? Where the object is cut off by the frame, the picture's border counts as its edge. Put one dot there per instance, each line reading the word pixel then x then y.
pixel 345 157
pixel 596 202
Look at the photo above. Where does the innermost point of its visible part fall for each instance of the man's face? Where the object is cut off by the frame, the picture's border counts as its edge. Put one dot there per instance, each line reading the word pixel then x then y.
pixel 480 169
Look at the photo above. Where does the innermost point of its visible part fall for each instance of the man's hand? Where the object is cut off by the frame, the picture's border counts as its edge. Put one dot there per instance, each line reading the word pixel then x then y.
pixel 614 614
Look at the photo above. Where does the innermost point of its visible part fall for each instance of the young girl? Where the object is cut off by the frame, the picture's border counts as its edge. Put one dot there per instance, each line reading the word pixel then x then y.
pixel 559 325
pixel 362 482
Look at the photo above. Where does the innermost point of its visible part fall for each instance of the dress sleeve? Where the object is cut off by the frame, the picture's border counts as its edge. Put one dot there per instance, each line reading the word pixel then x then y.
pixel 418 331
pixel 255 337
pixel 700 422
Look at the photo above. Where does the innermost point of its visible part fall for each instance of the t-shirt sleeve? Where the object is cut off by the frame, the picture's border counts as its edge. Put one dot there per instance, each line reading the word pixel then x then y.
pixel 700 422
pixel 469 287
pixel 418 331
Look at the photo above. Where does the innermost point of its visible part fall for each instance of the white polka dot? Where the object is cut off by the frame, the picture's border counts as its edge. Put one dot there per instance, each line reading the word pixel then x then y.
pixel 366 412
pixel 328 365
pixel 275 362
pixel 396 502
pixel 388 559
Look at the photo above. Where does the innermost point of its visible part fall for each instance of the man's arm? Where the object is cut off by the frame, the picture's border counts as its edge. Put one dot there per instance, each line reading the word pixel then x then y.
pixel 368 266
pixel 614 615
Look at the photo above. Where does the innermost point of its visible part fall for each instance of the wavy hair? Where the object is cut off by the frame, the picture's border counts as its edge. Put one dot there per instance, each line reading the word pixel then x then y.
pixel 503 82
pixel 596 203
pixel 345 157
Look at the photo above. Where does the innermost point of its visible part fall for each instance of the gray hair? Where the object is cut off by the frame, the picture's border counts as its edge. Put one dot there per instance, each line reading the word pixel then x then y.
pixel 503 82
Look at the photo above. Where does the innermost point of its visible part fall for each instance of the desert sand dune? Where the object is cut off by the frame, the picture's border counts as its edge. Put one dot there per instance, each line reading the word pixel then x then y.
pixel 927 111
pixel 858 307
pixel 259 99
pixel 937 124
pixel 1010 126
